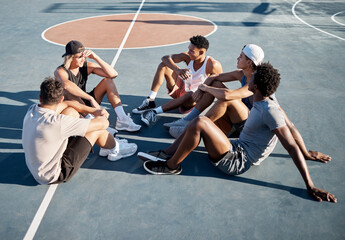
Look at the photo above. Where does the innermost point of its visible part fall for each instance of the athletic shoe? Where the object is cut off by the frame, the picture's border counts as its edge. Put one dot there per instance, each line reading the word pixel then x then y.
pixel 127 124
pixel 121 150
pixel 176 131
pixel 154 156
pixel 161 168
pixel 112 131
pixel 181 122
pixel 145 106
pixel 149 117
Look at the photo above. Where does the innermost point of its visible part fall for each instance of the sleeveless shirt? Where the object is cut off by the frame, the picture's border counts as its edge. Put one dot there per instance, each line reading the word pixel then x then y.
pixel 197 77
pixel 81 78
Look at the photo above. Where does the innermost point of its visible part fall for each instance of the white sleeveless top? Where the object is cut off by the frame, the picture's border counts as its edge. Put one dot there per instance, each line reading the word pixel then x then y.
pixel 197 77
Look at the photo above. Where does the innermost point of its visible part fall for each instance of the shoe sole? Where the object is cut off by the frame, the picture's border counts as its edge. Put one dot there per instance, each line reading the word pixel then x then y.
pixel 122 156
pixel 147 157
pixel 159 173
pixel 141 111
pixel 128 130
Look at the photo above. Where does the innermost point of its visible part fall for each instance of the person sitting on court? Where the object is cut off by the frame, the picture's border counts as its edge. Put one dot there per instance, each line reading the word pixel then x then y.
pixel 232 107
pixel 264 126
pixel 180 82
pixel 56 141
pixel 74 73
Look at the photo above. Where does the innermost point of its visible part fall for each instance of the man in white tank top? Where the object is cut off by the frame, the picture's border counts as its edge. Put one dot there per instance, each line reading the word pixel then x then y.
pixel 180 82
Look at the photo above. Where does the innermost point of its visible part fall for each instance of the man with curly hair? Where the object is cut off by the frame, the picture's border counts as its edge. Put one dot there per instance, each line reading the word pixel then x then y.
pixel 264 126
pixel 181 83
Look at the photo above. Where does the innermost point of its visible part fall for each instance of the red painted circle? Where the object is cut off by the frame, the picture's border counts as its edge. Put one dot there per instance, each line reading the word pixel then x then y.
pixel 149 30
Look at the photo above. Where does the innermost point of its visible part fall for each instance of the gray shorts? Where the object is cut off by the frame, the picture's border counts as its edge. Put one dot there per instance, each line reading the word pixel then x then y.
pixel 234 162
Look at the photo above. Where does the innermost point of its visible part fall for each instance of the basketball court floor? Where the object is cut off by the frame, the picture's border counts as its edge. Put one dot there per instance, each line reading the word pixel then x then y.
pixel 305 40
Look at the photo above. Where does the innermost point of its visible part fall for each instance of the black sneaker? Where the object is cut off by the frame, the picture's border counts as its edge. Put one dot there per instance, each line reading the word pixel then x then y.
pixel 161 168
pixel 154 156
pixel 149 118
pixel 145 106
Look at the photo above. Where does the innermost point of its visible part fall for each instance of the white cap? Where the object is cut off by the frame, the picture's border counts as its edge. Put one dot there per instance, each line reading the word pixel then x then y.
pixel 254 53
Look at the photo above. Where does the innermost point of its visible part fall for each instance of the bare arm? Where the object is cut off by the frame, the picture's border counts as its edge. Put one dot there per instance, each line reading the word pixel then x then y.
pixel 171 60
pixel 101 68
pixel 288 142
pixel 225 77
pixel 225 94
pixel 82 108
pixel 308 155
pixel 72 88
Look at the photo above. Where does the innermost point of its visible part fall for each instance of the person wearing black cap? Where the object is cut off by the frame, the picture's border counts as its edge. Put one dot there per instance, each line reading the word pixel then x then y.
pixel 74 74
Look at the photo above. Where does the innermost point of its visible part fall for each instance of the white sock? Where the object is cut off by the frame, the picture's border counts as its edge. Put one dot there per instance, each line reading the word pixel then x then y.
pixel 152 95
pixel 120 112
pixel 158 110
pixel 89 116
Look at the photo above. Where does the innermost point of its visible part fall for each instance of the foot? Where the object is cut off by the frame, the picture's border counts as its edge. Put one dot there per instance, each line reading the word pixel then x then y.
pixel 176 131
pixel 181 123
pixel 318 156
pixel 122 149
pixel 154 156
pixel 149 117
pixel 146 105
pixel 127 124
pixel 161 168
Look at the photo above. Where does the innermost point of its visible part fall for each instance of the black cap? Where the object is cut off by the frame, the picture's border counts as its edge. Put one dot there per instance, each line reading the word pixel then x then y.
pixel 73 47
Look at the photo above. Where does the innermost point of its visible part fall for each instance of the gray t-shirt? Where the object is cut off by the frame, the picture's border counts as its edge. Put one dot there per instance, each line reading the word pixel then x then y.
pixel 257 138
pixel 45 137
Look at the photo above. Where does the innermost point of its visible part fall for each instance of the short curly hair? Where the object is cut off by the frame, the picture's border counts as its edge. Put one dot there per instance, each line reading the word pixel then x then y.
pixel 267 79
pixel 199 41
pixel 51 91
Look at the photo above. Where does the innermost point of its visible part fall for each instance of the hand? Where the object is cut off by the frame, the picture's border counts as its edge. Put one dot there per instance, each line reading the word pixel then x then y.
pixel 320 194
pixel 184 74
pixel 89 54
pixel 197 95
pixel 102 113
pixel 94 103
pixel 318 156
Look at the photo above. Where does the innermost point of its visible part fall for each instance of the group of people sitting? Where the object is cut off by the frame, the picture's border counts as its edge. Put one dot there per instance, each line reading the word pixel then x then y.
pixel 59 132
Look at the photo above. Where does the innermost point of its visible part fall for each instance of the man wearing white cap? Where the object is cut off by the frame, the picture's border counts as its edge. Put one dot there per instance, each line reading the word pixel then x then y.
pixel 232 107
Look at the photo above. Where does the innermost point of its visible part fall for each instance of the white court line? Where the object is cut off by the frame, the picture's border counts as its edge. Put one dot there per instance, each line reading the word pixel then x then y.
pixel 30 234
pixel 294 13
pixel 333 18
pixel 104 48
pixel 126 36
pixel 40 212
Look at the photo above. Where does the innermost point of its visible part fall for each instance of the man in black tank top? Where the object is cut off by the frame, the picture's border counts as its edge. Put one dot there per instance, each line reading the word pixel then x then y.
pixel 74 74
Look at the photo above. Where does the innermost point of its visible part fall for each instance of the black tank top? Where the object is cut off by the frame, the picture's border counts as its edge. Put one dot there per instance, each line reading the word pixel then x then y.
pixel 81 78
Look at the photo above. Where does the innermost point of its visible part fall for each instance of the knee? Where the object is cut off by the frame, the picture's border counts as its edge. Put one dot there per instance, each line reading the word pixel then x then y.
pixel 199 123
pixel 71 112
pixel 108 82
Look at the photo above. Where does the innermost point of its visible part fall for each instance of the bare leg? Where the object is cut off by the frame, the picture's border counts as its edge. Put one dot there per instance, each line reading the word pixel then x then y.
pixel 207 99
pixel 186 101
pixel 308 155
pixel 102 138
pixel 216 143
pixel 107 86
pixel 163 72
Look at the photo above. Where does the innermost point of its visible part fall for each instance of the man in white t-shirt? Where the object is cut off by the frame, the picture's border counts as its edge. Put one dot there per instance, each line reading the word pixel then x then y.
pixel 264 126
pixel 56 141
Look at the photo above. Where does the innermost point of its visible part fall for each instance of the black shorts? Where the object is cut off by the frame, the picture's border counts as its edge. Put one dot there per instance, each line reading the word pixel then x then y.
pixel 87 102
pixel 78 148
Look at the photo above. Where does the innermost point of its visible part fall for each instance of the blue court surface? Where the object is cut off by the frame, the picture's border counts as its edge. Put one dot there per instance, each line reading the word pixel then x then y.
pixel 305 40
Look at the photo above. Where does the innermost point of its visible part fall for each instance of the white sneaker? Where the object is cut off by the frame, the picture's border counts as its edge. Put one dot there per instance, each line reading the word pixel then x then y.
pixel 127 124
pixel 121 150
pixel 181 123
pixel 112 131
pixel 176 131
